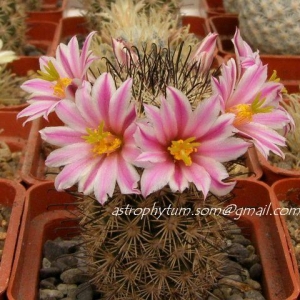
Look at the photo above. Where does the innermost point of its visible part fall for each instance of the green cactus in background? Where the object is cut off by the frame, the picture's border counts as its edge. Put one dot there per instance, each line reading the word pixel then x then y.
pixel 12 25
pixel 270 26
pixel 33 4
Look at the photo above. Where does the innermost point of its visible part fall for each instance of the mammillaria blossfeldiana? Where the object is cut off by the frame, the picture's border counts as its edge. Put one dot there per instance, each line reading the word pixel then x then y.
pixel 186 146
pixel 59 78
pixel 245 91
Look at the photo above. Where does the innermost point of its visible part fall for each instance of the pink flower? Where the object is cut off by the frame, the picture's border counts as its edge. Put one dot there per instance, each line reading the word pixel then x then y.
pixel 97 145
pixel 59 78
pixel 181 146
pixel 245 57
pixel 255 103
pixel 205 52
pixel 123 53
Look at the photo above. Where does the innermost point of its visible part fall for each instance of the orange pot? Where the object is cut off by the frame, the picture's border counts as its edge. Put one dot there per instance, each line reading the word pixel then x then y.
pixel 288 190
pixel 45 217
pixel 71 26
pixel 49 12
pixel 272 173
pixel 266 232
pixel 13 195
pixel 197 25
pixel 33 168
pixel 44 35
pixel 213 7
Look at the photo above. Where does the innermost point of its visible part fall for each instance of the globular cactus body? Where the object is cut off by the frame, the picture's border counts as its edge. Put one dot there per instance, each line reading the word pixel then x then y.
pixel 12 25
pixel 272 27
pixel 136 251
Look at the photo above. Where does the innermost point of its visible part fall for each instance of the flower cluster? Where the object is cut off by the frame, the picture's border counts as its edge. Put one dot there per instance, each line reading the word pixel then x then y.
pixel 112 137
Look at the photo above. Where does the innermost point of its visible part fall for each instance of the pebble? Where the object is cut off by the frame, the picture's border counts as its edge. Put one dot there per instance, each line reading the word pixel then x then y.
pixel 73 275
pixel 71 282
pixel 255 271
pixel 47 293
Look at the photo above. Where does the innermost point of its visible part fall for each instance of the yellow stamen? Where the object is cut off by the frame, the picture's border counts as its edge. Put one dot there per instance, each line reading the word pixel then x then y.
pixel 244 112
pixel 277 79
pixel 50 73
pixel 182 149
pixel 104 142
pixel 60 86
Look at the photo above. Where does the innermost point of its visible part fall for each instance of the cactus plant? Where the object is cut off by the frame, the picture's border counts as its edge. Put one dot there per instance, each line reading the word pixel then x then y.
pixel 272 27
pixel 231 6
pixel 12 25
pixel 33 5
pixel 172 256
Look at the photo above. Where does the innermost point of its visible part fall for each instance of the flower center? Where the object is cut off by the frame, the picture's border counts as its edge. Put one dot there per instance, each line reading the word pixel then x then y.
pixel 51 74
pixel 104 142
pixel 59 88
pixel 182 149
pixel 244 112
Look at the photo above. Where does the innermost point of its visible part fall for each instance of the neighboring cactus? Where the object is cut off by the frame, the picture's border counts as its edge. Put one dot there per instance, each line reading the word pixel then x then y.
pixel 175 255
pixel 32 5
pixel 231 6
pixel 270 26
pixel 12 25
pixel 292 150
pixel 10 91
pixel 134 21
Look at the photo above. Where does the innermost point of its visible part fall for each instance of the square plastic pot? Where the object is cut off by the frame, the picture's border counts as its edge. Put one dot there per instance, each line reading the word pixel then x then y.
pixel 50 11
pixel 288 189
pixel 43 219
pixel 254 202
pixel 47 215
pixel 33 169
pixel 12 196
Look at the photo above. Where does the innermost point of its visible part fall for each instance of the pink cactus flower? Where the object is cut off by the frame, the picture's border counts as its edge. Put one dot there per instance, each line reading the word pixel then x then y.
pixel 59 78
pixel 255 102
pixel 205 52
pixel 123 53
pixel 181 146
pixel 97 145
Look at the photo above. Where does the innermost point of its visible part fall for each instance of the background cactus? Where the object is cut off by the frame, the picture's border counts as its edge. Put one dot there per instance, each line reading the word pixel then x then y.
pixel 12 25
pixel 231 6
pixel 272 27
pixel 33 5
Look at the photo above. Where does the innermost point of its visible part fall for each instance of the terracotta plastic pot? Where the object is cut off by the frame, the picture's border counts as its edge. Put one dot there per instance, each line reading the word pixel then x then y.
pixel 71 26
pixel 288 189
pixel 45 218
pixel 12 195
pixel 255 200
pixel 198 25
pixel 50 11
pixel 285 65
pixel 47 215
pixel 272 173
pixel 213 7
pixel 15 135
pixel 33 168
pixel 44 35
